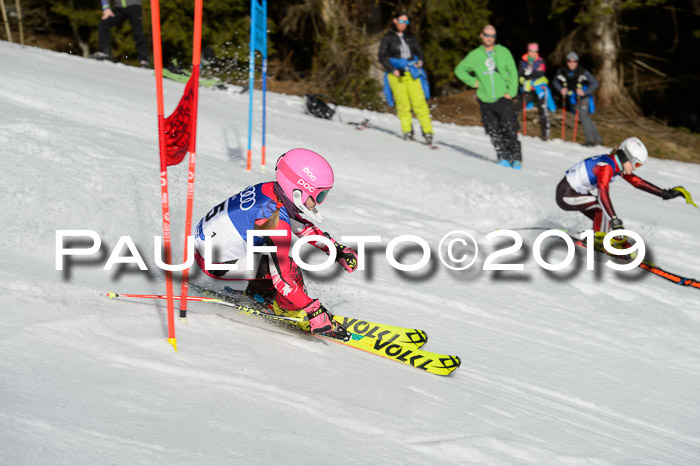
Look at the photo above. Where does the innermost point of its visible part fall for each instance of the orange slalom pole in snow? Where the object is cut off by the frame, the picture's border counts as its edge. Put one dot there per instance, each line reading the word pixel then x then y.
pixel 196 55
pixel 158 65
pixel 575 125
pixel 563 122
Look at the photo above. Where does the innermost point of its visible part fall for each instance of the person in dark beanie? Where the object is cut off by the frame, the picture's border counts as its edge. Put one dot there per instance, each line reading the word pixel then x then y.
pixel 405 81
pixel 491 70
pixel 111 17
pixel 576 85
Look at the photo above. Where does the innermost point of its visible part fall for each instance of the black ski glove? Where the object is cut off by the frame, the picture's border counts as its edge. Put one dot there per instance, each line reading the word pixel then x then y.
pixel 616 224
pixel 346 257
pixel 670 193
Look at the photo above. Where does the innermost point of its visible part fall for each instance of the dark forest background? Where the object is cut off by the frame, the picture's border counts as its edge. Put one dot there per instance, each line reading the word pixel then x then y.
pixel 644 52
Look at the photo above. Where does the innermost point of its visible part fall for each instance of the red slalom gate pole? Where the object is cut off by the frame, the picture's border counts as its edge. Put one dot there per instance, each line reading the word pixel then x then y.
pixel 158 65
pixel 563 122
pixel 575 124
pixel 196 55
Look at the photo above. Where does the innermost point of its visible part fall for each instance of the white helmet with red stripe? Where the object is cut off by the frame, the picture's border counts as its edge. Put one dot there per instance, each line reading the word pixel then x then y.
pixel 304 174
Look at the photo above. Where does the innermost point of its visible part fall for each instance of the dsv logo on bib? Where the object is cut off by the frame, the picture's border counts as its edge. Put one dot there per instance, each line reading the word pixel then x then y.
pixel 306 185
pixel 309 174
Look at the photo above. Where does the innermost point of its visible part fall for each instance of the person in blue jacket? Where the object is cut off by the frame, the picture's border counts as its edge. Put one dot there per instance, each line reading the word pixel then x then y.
pixel 575 83
pixel 531 71
pixel 405 81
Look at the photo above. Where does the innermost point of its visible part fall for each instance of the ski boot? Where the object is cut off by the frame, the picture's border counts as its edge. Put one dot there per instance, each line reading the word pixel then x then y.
pixel 321 321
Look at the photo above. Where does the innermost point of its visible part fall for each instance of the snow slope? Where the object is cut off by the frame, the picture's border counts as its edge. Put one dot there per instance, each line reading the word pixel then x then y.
pixel 573 367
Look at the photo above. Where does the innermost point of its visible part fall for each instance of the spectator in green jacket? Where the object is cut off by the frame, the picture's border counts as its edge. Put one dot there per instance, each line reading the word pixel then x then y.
pixel 492 71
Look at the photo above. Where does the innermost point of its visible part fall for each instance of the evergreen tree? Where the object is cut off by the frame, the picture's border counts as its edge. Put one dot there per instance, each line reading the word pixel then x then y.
pixel 448 30
pixel 82 17
pixel 598 20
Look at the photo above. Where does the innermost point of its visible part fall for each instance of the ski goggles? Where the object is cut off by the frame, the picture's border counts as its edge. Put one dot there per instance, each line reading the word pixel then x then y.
pixel 321 196
pixel 403 21
pixel 626 158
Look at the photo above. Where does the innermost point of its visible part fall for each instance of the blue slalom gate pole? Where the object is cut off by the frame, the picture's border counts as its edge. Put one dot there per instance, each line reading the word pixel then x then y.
pixel 251 82
pixel 264 77
pixel 258 41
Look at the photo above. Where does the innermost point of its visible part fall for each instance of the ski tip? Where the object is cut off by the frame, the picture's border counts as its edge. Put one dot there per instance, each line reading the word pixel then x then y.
pixel 416 337
pixel 110 294
pixel 450 364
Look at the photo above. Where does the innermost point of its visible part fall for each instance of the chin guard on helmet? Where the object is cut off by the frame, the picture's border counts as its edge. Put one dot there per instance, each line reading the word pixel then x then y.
pixel 313 215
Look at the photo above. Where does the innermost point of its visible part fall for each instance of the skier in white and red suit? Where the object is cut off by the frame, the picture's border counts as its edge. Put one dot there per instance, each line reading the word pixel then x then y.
pixel 577 190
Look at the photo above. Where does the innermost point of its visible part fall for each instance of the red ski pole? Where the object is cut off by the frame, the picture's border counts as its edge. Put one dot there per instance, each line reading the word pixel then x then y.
pixel 112 294
pixel 563 122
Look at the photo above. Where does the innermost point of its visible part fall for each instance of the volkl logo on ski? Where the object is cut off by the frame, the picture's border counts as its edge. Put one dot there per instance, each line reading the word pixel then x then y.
pixel 402 354
pixel 361 327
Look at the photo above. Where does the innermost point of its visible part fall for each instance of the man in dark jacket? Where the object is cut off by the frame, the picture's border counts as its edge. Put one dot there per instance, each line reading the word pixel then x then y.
pixel 402 57
pixel 575 82
pixel 111 17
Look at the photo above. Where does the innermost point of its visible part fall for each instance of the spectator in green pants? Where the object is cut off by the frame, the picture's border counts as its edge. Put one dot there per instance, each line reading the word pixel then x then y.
pixel 402 56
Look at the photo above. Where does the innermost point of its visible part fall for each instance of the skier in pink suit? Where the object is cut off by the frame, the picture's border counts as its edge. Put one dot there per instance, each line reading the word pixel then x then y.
pixel 303 180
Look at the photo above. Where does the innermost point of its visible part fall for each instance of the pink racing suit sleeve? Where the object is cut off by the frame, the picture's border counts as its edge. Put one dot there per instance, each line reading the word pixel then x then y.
pixel 286 275
pixel 303 227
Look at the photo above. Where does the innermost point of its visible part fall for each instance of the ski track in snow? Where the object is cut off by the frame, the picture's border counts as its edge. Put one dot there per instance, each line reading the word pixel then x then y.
pixel 570 368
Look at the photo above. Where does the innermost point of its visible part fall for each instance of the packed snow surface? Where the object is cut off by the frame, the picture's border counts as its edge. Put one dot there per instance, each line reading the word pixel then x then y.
pixel 571 367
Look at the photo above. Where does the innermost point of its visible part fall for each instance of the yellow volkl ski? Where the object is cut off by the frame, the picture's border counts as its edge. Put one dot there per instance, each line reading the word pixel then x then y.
pixel 411 337
pixel 440 364
pixel 397 343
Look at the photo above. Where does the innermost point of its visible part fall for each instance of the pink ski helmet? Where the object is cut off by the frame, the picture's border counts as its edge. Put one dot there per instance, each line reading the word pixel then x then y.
pixel 302 173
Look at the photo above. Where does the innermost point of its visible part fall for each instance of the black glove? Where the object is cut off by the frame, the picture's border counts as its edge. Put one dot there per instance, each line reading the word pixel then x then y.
pixel 616 224
pixel 671 193
pixel 346 257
